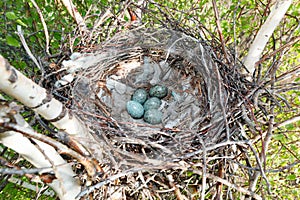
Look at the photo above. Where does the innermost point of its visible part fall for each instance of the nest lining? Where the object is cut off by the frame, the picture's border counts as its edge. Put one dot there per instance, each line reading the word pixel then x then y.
pixel 193 111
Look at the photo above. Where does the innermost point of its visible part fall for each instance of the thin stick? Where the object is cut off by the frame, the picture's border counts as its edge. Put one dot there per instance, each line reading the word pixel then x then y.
pixel 44 25
pixel 203 171
pixel 28 51
pixel 75 14
pixel 220 30
pixel 106 181
pixel 225 182
pixel 22 172
pixel 287 45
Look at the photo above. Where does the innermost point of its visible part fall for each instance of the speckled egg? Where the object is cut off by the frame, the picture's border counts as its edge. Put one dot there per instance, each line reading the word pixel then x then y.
pixel 152 103
pixel 153 116
pixel 140 96
pixel 158 91
pixel 135 109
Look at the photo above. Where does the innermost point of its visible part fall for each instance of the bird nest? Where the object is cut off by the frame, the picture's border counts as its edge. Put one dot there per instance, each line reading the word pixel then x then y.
pixel 197 111
pixel 204 113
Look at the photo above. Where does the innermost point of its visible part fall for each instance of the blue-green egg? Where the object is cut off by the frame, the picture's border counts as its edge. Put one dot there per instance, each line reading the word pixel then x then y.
pixel 152 103
pixel 153 116
pixel 140 96
pixel 135 109
pixel 158 91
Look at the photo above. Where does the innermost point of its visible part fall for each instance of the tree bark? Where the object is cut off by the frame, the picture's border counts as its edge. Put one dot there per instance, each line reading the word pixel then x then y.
pixel 41 155
pixel 277 13
pixel 15 84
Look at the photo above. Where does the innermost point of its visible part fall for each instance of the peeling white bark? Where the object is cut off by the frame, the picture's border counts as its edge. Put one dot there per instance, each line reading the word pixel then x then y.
pixel 43 156
pixel 66 186
pixel 15 84
pixel 277 13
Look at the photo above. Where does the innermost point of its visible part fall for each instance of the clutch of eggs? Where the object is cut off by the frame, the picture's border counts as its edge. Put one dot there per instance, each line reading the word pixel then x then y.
pixel 140 106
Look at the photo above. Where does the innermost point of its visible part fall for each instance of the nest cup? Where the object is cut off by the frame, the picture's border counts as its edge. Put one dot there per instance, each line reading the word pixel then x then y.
pixel 192 110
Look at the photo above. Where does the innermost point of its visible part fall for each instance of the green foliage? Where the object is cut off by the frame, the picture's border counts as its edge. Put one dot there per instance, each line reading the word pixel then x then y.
pixel 15 192
pixel 11 15
pixel 10 40
pixel 240 20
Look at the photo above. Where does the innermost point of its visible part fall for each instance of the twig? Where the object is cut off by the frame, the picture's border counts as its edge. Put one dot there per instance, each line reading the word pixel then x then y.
pixel 106 181
pixel 203 170
pixel 102 19
pixel 289 76
pixel 22 172
pixel 256 174
pixel 61 147
pixel 220 30
pixel 287 45
pixel 20 34
pixel 176 190
pixel 225 182
pixel 75 14
pixel 212 147
pixel 267 170
pixel 29 186
pixel 44 25
pixel 289 121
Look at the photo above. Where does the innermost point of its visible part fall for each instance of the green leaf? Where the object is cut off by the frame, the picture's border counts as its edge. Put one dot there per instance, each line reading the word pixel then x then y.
pixel 291 177
pixel 290 127
pixel 294 147
pixel 11 15
pixel 189 173
pixel 278 137
pixel 10 40
pixel 21 23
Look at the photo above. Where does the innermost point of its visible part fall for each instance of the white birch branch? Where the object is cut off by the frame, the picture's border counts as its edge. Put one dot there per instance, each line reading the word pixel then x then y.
pixel 65 185
pixel 277 13
pixel 15 84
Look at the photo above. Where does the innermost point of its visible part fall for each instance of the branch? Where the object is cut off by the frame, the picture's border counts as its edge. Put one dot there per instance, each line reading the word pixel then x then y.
pixel 62 149
pixel 75 14
pixel 227 183
pixel 44 25
pixel 18 86
pixel 288 121
pixel 277 13
pixel 66 186
pixel 15 84
pixel 28 51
